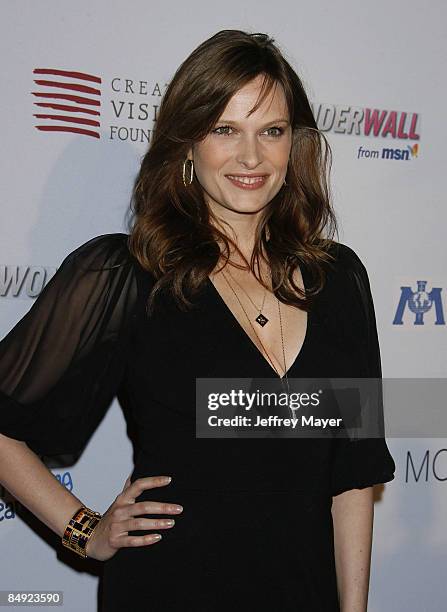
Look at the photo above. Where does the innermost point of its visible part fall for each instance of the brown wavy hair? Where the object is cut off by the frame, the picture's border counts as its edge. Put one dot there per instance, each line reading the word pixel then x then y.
pixel 171 235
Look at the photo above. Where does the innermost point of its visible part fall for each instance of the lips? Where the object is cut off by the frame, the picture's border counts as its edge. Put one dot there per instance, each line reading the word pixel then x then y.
pixel 244 181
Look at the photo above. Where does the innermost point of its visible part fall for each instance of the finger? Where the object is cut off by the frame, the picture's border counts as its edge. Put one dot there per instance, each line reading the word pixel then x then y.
pixel 141 484
pixel 127 483
pixel 124 511
pixel 131 541
pixel 140 524
pixel 154 507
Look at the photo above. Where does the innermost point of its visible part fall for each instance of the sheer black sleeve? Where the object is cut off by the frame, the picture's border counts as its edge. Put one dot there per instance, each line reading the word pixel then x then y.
pixel 361 462
pixel 61 364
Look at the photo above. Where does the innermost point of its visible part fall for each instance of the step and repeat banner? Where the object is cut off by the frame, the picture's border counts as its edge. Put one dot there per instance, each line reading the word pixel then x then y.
pixel 374 75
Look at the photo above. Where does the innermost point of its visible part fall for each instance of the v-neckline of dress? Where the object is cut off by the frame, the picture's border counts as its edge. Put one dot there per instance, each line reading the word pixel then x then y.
pixel 246 338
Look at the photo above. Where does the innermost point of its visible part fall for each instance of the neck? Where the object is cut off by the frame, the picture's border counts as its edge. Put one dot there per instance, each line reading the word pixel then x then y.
pixel 242 230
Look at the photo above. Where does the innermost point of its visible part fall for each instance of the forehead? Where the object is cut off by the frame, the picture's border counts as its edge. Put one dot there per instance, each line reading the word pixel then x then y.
pixel 274 105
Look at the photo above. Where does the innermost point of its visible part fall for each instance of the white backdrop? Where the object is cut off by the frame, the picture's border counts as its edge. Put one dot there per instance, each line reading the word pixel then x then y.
pixel 374 62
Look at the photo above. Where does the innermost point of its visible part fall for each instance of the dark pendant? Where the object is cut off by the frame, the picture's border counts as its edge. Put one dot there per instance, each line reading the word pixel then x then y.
pixel 261 320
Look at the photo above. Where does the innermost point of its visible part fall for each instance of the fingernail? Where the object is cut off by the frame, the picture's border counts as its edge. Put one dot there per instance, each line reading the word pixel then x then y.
pixel 167 479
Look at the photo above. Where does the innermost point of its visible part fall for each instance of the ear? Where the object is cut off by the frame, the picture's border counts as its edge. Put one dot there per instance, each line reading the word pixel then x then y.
pixel 190 154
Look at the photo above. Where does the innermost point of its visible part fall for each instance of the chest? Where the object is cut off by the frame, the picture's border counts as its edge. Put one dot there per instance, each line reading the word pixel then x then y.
pixel 172 348
pixel 277 330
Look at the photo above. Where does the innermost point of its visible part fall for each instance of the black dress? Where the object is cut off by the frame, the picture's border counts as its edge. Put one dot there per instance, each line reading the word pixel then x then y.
pixel 256 532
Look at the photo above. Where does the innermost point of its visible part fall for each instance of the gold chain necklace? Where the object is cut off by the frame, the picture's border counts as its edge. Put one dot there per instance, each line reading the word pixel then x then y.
pixel 261 319
pixel 285 377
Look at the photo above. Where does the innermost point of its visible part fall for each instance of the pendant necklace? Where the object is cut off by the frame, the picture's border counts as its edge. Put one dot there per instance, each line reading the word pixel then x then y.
pixel 284 379
pixel 261 319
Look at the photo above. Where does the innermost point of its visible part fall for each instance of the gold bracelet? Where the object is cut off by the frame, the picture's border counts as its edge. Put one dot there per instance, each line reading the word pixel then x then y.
pixel 79 529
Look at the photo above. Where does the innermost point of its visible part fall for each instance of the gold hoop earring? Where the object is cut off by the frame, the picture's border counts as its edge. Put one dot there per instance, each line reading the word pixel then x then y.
pixel 191 176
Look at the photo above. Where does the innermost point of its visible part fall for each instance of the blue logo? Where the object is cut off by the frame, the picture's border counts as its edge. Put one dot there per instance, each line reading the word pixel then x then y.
pixel 419 302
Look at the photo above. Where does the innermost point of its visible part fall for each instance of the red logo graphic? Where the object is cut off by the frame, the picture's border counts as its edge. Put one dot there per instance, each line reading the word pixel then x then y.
pixel 86 104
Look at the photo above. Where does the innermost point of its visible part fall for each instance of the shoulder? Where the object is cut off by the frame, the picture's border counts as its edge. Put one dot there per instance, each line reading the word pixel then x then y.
pixel 101 264
pixel 347 269
pixel 347 281
pixel 346 259
pixel 100 252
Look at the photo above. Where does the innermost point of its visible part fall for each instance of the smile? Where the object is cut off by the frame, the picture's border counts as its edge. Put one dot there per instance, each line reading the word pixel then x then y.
pixel 247 182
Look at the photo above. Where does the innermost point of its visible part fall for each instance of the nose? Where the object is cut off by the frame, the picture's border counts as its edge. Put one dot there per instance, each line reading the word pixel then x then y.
pixel 249 153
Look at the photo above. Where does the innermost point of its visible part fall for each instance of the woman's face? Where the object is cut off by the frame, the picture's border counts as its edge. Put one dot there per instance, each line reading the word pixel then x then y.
pixel 241 150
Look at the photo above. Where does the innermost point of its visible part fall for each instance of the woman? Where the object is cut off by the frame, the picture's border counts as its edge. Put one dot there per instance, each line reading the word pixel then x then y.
pixel 230 271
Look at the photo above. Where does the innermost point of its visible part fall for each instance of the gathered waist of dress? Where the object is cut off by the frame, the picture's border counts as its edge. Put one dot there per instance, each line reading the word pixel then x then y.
pixel 211 499
pixel 212 489
pixel 230 478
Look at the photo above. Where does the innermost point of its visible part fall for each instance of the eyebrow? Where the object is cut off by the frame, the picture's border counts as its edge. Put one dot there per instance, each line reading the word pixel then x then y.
pixel 268 122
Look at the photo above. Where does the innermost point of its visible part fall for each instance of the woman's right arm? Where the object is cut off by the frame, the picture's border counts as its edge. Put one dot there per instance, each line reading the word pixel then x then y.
pixel 60 367
pixel 57 374
pixel 62 363
pixel 29 480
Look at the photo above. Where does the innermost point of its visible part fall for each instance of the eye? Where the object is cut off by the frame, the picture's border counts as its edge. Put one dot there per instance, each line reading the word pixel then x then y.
pixel 279 130
pixel 222 127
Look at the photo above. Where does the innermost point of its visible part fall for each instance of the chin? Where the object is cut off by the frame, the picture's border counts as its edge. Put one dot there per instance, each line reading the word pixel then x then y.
pixel 250 207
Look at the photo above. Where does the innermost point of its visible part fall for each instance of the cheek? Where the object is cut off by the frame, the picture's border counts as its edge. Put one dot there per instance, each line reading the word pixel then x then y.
pixel 281 155
pixel 208 160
